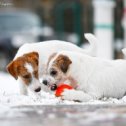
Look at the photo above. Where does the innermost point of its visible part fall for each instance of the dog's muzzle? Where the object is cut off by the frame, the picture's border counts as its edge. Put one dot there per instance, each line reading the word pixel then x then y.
pixel 45 82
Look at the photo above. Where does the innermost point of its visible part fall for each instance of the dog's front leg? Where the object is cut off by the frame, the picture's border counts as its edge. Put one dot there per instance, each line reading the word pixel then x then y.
pixel 23 89
pixel 76 95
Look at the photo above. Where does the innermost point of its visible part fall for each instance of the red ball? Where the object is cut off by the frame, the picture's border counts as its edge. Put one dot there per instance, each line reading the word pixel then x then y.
pixel 61 88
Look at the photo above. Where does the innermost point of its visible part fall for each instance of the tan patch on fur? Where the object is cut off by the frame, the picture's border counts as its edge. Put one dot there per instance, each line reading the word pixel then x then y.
pixel 17 67
pixel 73 82
pixel 62 62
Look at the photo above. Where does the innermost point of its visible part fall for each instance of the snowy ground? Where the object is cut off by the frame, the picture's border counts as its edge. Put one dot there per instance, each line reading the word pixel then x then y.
pixel 9 96
pixel 16 109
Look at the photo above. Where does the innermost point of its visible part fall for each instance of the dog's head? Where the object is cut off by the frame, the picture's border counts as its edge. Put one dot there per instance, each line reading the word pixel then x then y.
pixel 25 68
pixel 57 68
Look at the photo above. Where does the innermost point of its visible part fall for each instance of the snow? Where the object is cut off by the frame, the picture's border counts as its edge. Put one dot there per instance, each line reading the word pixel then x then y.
pixel 9 96
pixel 94 116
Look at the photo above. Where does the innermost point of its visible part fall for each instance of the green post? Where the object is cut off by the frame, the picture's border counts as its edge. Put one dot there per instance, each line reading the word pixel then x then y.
pixel 59 13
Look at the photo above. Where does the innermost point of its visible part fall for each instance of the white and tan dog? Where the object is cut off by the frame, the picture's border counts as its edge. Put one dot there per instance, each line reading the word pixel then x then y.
pixel 91 77
pixel 30 61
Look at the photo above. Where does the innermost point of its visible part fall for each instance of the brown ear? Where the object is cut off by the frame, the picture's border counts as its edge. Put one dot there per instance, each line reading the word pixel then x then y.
pixel 35 55
pixel 63 62
pixel 32 55
pixel 12 69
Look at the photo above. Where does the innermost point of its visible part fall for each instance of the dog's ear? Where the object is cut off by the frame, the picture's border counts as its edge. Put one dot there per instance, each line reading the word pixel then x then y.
pixel 50 58
pixel 63 62
pixel 12 69
pixel 35 57
pixel 32 56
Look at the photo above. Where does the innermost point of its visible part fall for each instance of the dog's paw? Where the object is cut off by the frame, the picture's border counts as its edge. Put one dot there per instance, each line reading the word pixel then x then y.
pixel 68 95
pixel 75 95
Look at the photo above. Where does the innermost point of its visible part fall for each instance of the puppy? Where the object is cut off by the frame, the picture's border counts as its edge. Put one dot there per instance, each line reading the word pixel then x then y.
pixel 25 70
pixel 91 77
pixel 30 61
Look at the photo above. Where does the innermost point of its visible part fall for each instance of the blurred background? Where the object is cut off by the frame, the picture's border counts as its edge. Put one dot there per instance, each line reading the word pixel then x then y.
pixel 24 21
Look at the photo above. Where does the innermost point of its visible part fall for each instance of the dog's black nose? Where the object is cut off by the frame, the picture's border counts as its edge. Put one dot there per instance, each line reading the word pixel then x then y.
pixel 45 82
pixel 38 89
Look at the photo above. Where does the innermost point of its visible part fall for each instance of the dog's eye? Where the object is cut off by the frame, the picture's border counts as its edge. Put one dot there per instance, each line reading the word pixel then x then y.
pixel 26 76
pixel 53 73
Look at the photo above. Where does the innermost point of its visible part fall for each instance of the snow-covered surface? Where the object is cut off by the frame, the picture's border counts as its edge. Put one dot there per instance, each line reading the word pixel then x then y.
pixel 9 96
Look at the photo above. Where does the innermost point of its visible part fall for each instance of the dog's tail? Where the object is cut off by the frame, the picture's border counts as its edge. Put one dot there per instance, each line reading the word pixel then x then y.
pixel 124 51
pixel 93 44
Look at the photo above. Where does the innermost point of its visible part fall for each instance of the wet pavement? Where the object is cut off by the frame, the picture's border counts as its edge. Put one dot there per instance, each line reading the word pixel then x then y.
pixel 65 115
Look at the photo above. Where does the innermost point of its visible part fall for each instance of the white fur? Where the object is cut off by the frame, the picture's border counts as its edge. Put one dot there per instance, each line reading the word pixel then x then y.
pixel 96 78
pixel 34 82
pixel 29 67
pixel 22 87
pixel 93 48
pixel 45 49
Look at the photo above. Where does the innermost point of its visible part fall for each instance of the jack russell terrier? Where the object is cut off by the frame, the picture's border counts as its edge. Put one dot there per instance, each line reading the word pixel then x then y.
pixel 30 61
pixel 91 77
